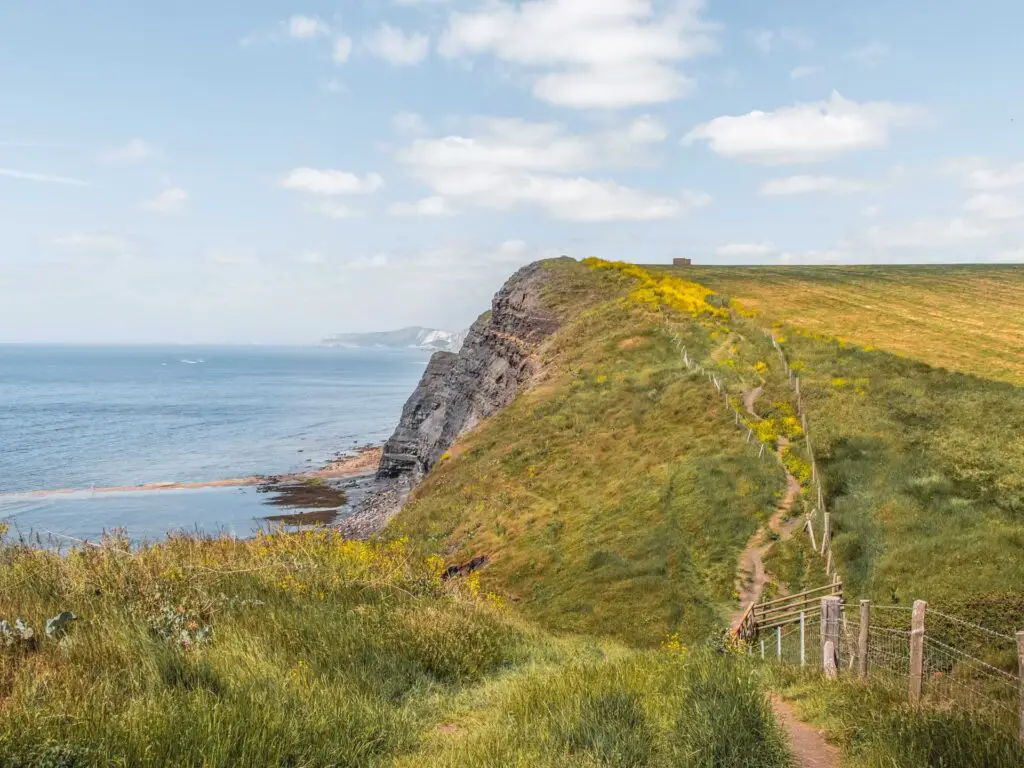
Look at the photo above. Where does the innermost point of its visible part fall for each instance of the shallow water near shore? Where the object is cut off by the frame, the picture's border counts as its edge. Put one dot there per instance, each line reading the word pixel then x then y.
pixel 63 520
pixel 78 417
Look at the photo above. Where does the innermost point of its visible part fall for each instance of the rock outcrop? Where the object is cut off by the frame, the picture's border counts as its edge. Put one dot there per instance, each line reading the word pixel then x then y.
pixel 458 391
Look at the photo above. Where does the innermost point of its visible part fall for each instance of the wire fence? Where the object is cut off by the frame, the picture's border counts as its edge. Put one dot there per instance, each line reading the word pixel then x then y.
pixel 981 674
pixel 945 661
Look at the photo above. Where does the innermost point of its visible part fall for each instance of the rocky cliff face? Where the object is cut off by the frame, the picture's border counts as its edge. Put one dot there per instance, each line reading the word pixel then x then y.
pixel 458 391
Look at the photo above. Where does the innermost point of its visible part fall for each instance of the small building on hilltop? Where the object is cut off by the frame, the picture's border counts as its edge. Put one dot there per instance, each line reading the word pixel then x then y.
pixel 682 262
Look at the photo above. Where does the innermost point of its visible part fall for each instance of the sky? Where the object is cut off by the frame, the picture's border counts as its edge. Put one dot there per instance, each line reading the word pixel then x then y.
pixel 274 172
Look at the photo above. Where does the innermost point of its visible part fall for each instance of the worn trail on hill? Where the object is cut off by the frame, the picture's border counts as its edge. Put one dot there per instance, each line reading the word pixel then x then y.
pixel 810 750
pixel 751 578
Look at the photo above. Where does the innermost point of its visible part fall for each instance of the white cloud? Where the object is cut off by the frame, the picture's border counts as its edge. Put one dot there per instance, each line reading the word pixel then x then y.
pixel 927 233
pixel 342 49
pixel 428 206
pixel 307 27
pixel 458 260
pixel 409 123
pixel 805 70
pixel 827 256
pixel 134 151
pixel 994 207
pixel 765 40
pixel 647 130
pixel 746 249
pixel 100 242
pixel 1015 256
pixel 232 258
pixel 807 184
pixel 171 199
pixel 397 47
pixel 611 54
pixel 45 178
pixel 295 27
pixel 804 133
pixel 336 211
pixel 870 211
pixel 515 163
pixel 313 258
pixel 870 55
pixel 331 182
pixel 985 175
pixel 505 144
pixel 376 261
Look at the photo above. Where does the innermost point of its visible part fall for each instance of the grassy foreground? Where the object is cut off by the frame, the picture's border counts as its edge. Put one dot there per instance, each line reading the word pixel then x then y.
pixel 307 650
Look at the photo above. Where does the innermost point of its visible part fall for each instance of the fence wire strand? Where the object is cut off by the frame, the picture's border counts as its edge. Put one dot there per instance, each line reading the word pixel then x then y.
pixel 951 677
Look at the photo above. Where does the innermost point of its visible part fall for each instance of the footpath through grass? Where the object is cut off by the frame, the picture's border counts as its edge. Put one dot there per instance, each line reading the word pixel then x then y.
pixel 876 728
pixel 307 650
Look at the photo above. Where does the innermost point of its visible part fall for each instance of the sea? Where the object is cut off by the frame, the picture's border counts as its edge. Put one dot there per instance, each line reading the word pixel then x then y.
pixel 73 419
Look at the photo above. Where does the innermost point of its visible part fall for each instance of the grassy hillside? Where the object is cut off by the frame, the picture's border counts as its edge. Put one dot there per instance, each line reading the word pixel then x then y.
pixel 614 497
pixel 307 650
pixel 967 318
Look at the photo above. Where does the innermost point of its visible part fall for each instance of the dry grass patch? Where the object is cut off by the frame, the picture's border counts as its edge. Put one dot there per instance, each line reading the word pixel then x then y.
pixel 964 318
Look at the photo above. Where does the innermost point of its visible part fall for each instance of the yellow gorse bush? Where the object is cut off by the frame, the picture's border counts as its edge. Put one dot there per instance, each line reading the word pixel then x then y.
pixel 656 291
pixel 799 468
pixel 673 644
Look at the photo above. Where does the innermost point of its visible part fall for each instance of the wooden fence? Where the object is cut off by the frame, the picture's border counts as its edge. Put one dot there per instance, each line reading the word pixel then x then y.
pixel 937 659
pixel 898 648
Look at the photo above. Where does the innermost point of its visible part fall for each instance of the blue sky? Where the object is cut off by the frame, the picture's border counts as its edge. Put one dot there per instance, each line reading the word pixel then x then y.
pixel 274 172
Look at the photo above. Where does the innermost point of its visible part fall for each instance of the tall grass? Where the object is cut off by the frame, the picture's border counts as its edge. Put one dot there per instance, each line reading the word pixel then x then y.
pixel 648 709
pixel 307 650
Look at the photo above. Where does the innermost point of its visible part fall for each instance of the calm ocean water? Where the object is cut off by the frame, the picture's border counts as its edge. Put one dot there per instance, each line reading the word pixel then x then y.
pixel 78 417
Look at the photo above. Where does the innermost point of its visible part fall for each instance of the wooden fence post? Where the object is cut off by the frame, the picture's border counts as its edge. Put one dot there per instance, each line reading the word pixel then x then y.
pixel 862 638
pixel 1020 679
pixel 778 643
pixel 917 651
pixel 826 533
pixel 830 608
pixel 810 532
pixel 762 648
pixel 803 651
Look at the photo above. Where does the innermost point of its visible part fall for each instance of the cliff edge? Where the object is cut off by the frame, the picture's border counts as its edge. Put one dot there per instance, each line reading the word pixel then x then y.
pixel 458 391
